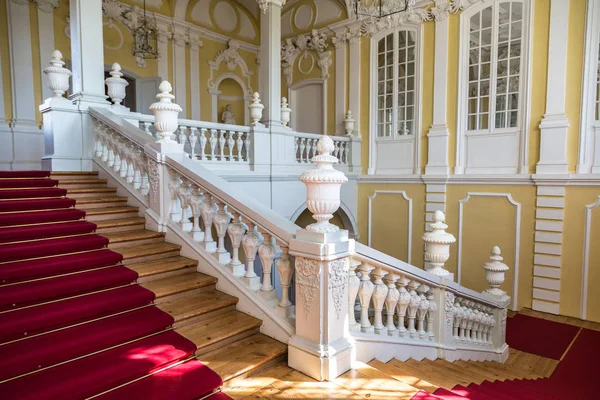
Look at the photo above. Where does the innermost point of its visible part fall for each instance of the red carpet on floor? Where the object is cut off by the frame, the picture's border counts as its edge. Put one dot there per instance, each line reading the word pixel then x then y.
pixel 74 322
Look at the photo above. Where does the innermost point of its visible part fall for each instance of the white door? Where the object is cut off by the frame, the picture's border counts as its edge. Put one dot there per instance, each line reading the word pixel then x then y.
pixel 307 107
pixel 146 90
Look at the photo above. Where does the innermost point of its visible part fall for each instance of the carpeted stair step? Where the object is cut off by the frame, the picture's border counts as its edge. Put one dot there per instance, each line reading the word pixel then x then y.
pixel 489 391
pixel 133 238
pixel 423 395
pixel 247 356
pixel 28 293
pixel 91 192
pixel 38 204
pixel 97 373
pixel 33 232
pixel 40 217
pixel 88 203
pixel 120 225
pixel 32 193
pixel 207 304
pixel 448 395
pixel 152 270
pixel 82 183
pixel 147 252
pixel 102 214
pixel 43 351
pixel 471 393
pixel 26 322
pixel 27 183
pixel 50 247
pixel 24 174
pixel 25 270
pixel 189 380
pixel 184 283
pixel 216 333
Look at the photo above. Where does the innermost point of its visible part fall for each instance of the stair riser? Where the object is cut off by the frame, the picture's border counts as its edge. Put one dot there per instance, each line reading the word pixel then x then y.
pixel 141 259
pixel 131 243
pixel 228 341
pixel 123 228
pixel 182 294
pixel 93 206
pixel 106 217
pixel 111 193
pixel 204 317
pixel 232 380
pixel 163 275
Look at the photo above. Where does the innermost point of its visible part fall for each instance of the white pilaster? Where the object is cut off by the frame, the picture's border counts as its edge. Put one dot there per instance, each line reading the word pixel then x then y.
pixel 87 51
pixel 554 126
pixel 438 135
pixel 270 63
pixel 163 51
pixel 340 87
pixel 179 68
pixel 45 11
pixel 354 87
pixel 195 45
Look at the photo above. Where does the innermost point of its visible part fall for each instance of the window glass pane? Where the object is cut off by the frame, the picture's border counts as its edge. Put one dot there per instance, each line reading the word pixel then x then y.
pixel 381 45
pixel 389 39
pixel 486 37
pixel 500 120
pixel 483 121
pixel 411 54
pixel 500 103
pixel 486 18
pixel 485 71
pixel 410 83
pixel 473 73
pixel 472 122
pixel 516 11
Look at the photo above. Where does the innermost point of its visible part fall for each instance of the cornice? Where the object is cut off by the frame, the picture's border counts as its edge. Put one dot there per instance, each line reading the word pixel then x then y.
pixel 488 179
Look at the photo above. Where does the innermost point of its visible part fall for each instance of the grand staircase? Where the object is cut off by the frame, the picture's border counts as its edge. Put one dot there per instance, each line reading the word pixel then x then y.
pixel 95 305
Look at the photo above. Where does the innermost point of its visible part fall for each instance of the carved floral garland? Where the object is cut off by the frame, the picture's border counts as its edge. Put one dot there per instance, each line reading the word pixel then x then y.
pixel 307 275
pixel 338 280
pixel 449 309
pixel 153 178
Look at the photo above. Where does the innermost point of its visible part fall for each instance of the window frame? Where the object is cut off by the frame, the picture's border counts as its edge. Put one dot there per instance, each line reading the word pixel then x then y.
pixel 417 29
pixel 524 109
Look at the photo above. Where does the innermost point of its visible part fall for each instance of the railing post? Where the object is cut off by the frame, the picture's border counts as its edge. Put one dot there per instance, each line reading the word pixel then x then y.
pixel 322 347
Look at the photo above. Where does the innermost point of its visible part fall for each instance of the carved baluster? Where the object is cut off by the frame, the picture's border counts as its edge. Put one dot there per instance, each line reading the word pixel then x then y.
pixel 336 149
pixel 222 145
pixel 403 302
pixel 267 252
pixel 137 169
pixel 353 285
pixel 105 147
pixel 144 185
pixel 221 222
pixel 117 153
pixel 110 159
pixel 491 330
pixel 239 144
pixel 296 146
pixel 193 140
pixel 413 307
pixel 251 242
pixel 464 320
pixel 343 152
pixel 147 126
pixel 478 327
pixel 309 149
pixel 458 314
pixel 365 291
pixel 247 146
pixel 379 295
pixel 391 301
pixel 422 311
pixel 431 314
pixel 196 200
pixel 208 210
pixel 469 320
pixel 230 144
pixel 285 267
pixel 302 148
pixel 213 143
pixel 182 137
pixel 130 173
pixel 174 185
pixel 125 150
pixel 203 141
pixel 236 232
pixel 183 194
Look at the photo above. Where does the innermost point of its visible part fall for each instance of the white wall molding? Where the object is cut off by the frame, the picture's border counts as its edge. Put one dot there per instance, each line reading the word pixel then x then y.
pixel 46 37
pixel 195 45
pixel 409 222
pixel 341 90
pixel 354 86
pixel 517 244
pixel 586 256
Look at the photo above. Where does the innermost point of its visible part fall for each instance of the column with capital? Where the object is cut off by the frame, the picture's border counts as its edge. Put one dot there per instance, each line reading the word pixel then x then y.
pixel 270 61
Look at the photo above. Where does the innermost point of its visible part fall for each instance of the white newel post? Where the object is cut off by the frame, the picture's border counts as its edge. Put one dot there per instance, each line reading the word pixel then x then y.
pixel 160 197
pixel 437 245
pixel 322 347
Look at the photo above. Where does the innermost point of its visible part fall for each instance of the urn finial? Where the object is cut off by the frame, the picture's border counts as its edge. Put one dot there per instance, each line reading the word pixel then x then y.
pixel 116 84
pixel 494 272
pixel 165 113
pixel 58 76
pixel 437 244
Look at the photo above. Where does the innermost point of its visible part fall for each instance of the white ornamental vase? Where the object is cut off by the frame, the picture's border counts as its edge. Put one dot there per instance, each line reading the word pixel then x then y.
pixel 116 84
pixel 349 123
pixel 437 245
pixel 165 113
pixel 256 109
pixel 323 185
pixel 58 77
pixel 494 272
pixel 285 112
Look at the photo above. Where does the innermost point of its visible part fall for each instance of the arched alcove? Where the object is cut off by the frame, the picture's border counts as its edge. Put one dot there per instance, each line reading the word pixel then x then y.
pixel 231 93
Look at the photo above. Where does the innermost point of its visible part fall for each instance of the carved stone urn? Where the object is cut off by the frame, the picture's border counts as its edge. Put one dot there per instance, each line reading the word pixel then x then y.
pixel 256 109
pixel 323 185
pixel 165 113
pixel 116 85
pixel 349 123
pixel 494 273
pixel 285 112
pixel 437 245
pixel 58 76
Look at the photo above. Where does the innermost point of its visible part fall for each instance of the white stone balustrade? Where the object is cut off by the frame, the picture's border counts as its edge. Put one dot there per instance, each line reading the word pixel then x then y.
pixel 305 147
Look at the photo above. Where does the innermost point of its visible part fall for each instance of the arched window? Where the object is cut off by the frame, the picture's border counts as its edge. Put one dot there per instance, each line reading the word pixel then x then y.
pixel 395 93
pixel 493 88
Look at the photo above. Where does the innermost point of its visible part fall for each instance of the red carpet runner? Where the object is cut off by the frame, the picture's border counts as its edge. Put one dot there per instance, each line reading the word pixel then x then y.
pixel 574 377
pixel 73 321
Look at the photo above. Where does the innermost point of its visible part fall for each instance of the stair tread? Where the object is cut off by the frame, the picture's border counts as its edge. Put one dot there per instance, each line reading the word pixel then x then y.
pixel 402 376
pixel 197 304
pixel 244 355
pixel 424 373
pixel 109 210
pixel 92 200
pixel 369 382
pixel 179 283
pixel 81 181
pixel 119 222
pixel 148 249
pixel 91 190
pixel 205 333
pixel 70 173
pixel 127 236
pixel 163 265
pixel 467 374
